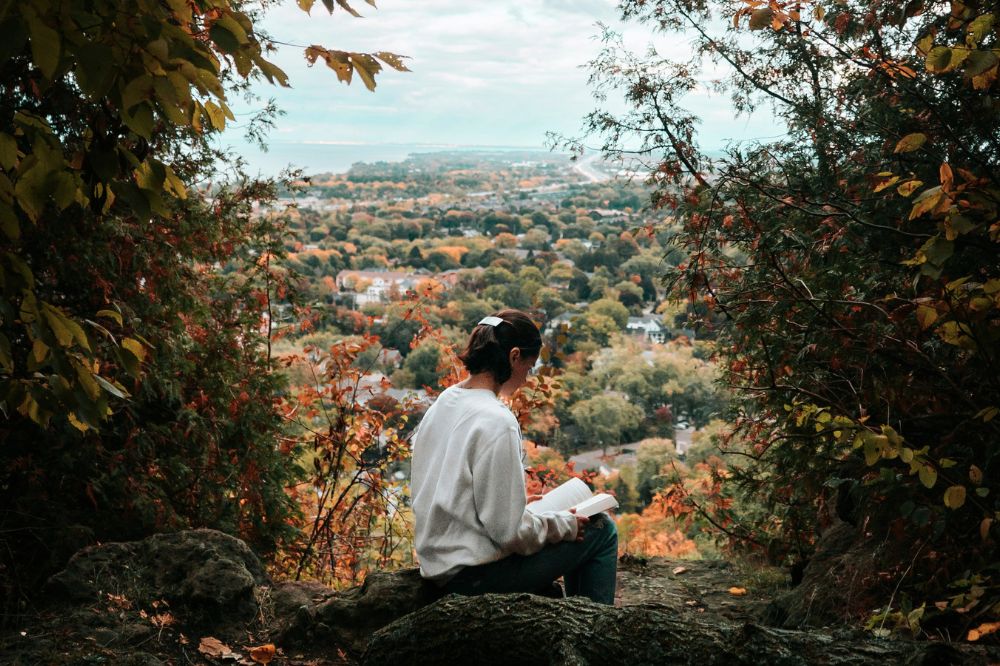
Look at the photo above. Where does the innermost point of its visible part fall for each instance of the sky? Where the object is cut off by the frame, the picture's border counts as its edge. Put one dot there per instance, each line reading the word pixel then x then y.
pixel 483 74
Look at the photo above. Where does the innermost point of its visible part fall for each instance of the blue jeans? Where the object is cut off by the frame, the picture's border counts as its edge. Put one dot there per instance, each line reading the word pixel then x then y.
pixel 588 567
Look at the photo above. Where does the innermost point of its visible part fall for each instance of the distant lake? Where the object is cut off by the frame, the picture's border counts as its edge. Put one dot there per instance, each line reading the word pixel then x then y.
pixel 316 157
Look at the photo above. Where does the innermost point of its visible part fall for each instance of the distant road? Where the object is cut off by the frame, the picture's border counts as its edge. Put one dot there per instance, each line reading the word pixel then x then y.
pixel 595 458
pixel 585 167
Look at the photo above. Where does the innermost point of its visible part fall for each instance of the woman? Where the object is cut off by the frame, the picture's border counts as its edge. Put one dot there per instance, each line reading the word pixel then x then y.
pixel 473 532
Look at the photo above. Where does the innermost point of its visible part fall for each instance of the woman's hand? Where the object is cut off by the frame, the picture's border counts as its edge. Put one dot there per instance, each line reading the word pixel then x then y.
pixel 533 498
pixel 581 523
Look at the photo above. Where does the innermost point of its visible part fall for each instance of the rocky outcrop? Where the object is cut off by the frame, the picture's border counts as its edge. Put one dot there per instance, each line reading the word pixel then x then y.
pixel 839 583
pixel 207 572
pixel 108 608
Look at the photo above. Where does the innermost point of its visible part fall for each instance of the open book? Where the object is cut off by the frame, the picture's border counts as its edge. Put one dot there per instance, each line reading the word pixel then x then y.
pixel 573 494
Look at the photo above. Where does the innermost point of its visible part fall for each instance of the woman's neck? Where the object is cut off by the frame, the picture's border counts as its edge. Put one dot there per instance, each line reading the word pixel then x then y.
pixel 482 380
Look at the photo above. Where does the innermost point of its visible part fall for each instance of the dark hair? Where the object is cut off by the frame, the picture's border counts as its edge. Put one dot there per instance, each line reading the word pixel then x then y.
pixel 488 349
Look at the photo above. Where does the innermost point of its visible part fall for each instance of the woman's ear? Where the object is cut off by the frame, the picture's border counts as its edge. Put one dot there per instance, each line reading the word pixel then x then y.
pixel 514 355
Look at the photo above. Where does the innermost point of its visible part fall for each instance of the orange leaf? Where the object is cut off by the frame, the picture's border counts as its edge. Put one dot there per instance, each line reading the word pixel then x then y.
pixel 984 629
pixel 262 654
pixel 737 591
pixel 947 177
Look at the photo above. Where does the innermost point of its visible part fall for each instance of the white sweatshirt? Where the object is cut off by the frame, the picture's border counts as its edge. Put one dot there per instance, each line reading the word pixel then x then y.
pixel 467 487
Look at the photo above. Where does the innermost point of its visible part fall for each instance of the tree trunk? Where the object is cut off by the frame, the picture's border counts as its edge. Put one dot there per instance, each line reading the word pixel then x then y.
pixel 525 629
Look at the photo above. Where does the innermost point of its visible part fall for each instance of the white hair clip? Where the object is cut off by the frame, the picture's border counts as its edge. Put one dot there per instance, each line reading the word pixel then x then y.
pixel 490 321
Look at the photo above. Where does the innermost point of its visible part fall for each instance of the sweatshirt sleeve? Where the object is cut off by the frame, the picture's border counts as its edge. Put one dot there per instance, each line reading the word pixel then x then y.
pixel 499 493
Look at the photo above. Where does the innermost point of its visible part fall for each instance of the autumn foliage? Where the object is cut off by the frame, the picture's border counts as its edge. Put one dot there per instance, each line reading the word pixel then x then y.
pixel 850 267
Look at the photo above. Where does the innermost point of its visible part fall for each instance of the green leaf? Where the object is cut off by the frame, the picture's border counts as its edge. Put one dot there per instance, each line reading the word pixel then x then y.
pixel 140 120
pixel 910 142
pixel 13 36
pixel 95 70
pixel 87 381
pixel 980 62
pixel 111 314
pixel 954 497
pixel 181 9
pixel 114 389
pixel 8 151
pixel 943 59
pixel 45 45
pixel 224 38
pixel 978 28
pixel 138 90
pixel 9 223
pixel 6 359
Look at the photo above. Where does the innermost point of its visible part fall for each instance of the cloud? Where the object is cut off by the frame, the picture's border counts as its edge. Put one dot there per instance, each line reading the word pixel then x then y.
pixel 483 73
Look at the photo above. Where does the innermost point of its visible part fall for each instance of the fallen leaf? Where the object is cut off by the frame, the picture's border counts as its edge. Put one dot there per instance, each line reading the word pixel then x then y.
pixel 161 620
pixel 213 647
pixel 679 570
pixel 737 591
pixel 691 602
pixel 984 629
pixel 262 654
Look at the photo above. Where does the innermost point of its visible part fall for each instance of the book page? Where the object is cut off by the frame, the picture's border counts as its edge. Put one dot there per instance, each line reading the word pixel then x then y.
pixel 596 504
pixel 562 498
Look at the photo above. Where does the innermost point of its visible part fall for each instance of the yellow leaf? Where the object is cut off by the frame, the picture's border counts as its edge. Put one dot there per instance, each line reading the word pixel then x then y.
pixel 984 528
pixel 77 423
pixel 39 350
pixel 737 591
pixel 111 314
pixel 928 475
pixel 907 188
pixel 975 475
pixel 135 347
pixel 679 570
pixel 926 316
pixel 926 202
pixel 910 142
pixel 954 497
pixel 987 414
pixel 63 334
pixel 886 183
